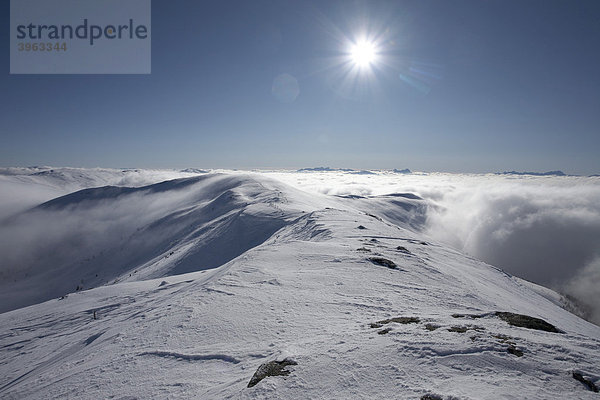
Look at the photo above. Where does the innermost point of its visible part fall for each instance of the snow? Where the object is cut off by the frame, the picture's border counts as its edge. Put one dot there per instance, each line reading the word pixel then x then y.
pixel 271 272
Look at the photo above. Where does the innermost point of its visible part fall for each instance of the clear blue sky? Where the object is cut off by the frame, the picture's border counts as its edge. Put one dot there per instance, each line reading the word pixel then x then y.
pixel 469 86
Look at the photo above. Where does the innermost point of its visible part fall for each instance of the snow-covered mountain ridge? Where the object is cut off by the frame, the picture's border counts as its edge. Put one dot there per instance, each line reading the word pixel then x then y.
pixel 346 286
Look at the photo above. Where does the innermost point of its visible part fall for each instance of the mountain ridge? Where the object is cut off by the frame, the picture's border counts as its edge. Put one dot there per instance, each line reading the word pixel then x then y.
pixel 349 288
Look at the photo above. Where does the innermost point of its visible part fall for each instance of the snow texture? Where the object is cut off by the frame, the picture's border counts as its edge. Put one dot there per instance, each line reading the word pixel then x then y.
pixel 190 286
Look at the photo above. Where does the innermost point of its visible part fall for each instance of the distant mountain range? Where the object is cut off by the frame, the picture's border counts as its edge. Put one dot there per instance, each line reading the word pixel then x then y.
pixel 549 173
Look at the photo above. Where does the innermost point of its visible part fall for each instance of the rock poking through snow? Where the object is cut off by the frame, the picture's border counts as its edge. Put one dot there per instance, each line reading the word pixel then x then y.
pixel 525 321
pixel 587 382
pixel 384 262
pixel 271 368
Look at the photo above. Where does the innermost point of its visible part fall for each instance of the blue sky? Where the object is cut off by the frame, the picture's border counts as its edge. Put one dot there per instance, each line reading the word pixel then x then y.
pixel 459 86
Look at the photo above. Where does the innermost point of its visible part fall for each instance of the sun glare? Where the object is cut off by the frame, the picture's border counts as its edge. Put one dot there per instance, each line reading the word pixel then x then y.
pixel 357 65
pixel 363 54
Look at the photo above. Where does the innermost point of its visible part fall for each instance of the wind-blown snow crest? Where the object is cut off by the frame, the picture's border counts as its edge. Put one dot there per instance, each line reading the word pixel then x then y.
pixel 112 234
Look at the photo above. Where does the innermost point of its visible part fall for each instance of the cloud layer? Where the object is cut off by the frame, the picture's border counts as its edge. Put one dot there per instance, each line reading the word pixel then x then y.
pixel 543 229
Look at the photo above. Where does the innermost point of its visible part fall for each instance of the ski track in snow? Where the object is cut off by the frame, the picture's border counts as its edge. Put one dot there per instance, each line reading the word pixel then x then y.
pixel 308 292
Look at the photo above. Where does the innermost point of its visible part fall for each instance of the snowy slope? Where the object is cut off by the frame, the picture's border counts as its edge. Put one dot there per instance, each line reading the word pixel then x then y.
pixel 110 234
pixel 302 279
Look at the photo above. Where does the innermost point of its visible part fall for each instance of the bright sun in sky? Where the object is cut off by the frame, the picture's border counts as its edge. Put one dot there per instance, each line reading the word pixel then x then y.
pixel 363 54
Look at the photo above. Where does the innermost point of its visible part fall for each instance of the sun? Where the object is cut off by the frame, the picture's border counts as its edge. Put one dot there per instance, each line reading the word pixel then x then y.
pixel 356 66
pixel 363 53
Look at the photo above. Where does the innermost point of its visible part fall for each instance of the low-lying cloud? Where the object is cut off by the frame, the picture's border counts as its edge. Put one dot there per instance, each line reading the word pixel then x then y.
pixel 543 229
pixel 69 242
pixel 23 188
pixel 100 235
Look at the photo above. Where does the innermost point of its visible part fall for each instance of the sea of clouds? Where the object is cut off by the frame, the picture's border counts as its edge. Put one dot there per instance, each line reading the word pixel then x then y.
pixel 545 229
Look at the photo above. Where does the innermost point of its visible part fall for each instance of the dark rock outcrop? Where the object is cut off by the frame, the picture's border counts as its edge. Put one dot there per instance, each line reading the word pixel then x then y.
pixel 384 262
pixel 590 385
pixel 513 350
pixel 525 321
pixel 271 368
